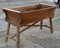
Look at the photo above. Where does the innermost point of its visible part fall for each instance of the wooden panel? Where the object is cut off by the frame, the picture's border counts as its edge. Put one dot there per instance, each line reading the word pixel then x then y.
pixel 40 14
pixel 12 17
pixel 29 14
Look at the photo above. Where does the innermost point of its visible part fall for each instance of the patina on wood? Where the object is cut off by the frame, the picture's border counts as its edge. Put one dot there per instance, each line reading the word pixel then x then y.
pixel 23 15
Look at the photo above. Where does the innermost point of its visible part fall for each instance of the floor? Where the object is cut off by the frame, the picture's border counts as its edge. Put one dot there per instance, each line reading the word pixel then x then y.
pixel 33 37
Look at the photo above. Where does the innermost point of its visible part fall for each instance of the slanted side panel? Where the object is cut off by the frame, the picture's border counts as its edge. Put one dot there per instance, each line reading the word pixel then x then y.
pixel 12 17
pixel 37 15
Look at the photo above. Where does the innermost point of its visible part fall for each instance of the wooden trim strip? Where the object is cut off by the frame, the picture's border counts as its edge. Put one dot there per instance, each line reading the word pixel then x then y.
pixel 12 10
pixel 9 37
pixel 24 29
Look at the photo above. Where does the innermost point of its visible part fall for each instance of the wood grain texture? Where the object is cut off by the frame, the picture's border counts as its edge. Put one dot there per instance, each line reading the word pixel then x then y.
pixel 21 16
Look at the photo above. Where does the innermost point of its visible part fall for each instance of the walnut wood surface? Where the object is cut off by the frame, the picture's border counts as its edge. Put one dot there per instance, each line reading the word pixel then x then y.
pixel 22 16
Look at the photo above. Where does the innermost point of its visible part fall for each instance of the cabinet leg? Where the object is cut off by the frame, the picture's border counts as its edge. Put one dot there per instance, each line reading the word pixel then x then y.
pixel 41 23
pixel 7 33
pixel 18 38
pixel 51 25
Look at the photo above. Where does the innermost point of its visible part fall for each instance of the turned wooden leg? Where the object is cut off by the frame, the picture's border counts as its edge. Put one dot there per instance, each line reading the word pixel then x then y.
pixel 51 25
pixel 18 38
pixel 41 23
pixel 7 33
